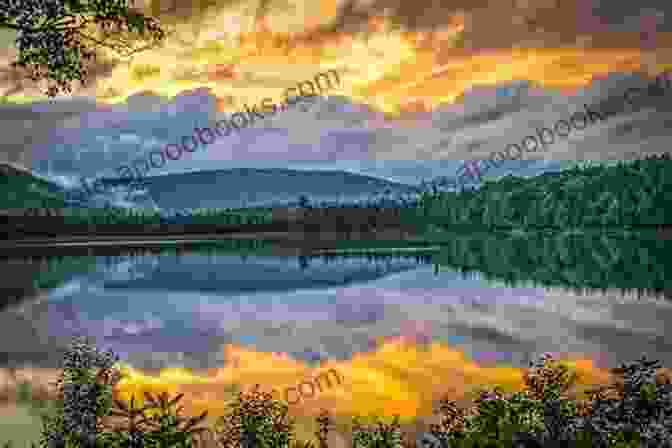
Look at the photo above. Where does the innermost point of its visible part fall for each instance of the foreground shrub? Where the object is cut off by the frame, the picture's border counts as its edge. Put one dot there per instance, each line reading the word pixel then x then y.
pixel 84 397
pixel 634 411
pixel 155 424
pixel 381 436
pixel 548 382
pixel 85 403
pixel 255 420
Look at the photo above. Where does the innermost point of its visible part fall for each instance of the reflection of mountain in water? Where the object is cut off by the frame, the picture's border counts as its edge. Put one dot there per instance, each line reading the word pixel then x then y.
pixel 231 274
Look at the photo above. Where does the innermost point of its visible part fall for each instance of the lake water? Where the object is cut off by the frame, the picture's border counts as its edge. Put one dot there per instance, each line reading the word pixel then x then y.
pixel 259 316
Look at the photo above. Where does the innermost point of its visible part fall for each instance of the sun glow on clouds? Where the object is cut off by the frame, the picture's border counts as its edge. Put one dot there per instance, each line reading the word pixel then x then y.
pixel 393 71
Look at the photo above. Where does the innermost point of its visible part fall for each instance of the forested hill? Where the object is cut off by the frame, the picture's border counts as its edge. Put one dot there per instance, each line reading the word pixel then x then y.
pixel 629 193
pixel 20 188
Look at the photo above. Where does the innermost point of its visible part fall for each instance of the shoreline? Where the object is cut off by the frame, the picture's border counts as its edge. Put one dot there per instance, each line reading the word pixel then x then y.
pixel 321 240
pixel 298 243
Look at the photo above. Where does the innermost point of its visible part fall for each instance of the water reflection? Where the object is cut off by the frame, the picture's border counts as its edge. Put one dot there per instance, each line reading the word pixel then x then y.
pixel 493 298
pixel 581 263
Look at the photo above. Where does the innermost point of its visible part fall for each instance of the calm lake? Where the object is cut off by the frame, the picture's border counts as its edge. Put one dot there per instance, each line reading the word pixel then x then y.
pixel 496 299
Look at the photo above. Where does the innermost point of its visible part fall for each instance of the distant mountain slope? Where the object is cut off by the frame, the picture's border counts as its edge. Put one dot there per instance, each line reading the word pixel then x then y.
pixel 19 188
pixel 204 189
pixel 256 187
pixel 525 168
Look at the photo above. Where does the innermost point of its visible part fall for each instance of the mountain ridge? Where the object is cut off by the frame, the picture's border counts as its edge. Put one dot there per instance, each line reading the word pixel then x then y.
pixel 254 187
pixel 264 186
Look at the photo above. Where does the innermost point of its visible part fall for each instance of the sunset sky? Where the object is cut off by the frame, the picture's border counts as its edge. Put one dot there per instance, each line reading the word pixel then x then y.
pixel 420 81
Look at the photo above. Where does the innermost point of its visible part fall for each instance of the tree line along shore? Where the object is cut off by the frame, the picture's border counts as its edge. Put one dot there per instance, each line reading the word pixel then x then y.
pixel 630 195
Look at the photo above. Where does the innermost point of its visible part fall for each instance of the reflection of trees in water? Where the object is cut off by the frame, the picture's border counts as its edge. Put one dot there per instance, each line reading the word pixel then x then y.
pixel 585 265
pixel 26 277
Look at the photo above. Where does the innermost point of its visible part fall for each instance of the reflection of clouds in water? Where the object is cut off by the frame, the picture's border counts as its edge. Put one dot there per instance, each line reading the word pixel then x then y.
pixel 111 326
pixel 419 331
pixel 213 316
pixel 358 314
pixel 65 290
pixel 361 304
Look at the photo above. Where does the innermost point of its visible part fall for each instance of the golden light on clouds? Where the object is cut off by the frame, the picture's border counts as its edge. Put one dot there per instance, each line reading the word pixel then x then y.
pixel 267 47
pixel 390 69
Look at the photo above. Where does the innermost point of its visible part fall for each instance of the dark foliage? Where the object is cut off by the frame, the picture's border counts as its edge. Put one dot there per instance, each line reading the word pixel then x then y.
pixel 633 412
pixel 57 38
pixel 629 194
pixel 255 419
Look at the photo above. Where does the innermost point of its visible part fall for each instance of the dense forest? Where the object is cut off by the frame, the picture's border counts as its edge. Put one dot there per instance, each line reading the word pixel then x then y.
pixel 628 194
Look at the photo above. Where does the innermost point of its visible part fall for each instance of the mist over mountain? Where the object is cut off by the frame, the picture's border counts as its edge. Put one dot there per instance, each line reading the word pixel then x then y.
pixel 247 187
